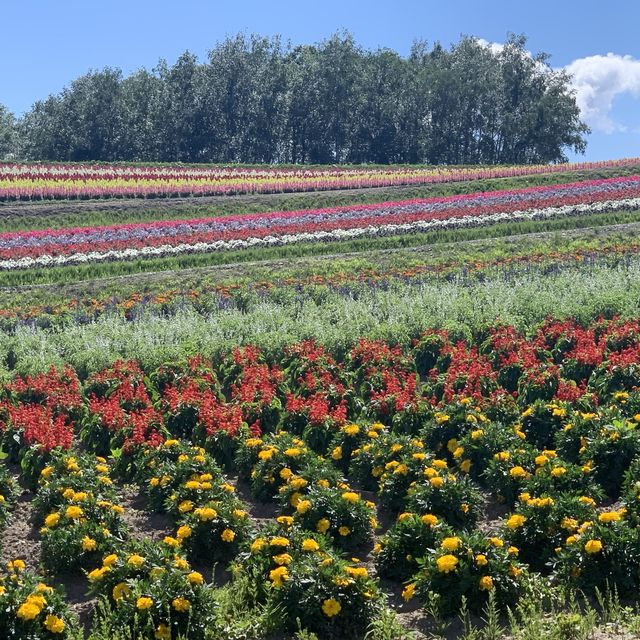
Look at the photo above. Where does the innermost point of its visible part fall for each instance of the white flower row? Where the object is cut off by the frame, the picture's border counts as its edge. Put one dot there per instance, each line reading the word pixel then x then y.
pixel 318 236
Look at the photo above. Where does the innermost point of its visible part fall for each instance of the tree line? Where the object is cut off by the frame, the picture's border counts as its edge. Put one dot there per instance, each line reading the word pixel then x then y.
pixel 257 100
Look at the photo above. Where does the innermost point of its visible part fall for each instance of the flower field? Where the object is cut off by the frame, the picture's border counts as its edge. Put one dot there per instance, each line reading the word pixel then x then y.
pixel 58 181
pixel 364 418
pixel 542 427
pixel 86 245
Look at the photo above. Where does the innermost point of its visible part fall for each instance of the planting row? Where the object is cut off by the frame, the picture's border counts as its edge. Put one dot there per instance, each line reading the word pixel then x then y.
pixel 207 296
pixel 20 250
pixel 54 181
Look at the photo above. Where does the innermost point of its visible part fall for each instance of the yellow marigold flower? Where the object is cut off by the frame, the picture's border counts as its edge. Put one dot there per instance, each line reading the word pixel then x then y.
pixel 336 454
pixel 16 565
pixel 228 535
pixel 541 460
pixel 515 521
pixel 357 572
pixel 185 506
pixel 285 473
pixel 97 574
pixel 514 571
pixel 409 591
pixel 437 482
pixel 53 624
pixel 181 605
pixel 496 542
pixel 569 523
pixel 135 561
pixel 609 516
pixel 571 539
pixel 258 545
pixel 477 434
pixel 351 430
pixel 331 607
pixel 287 521
pixel 465 466
pixel 205 514
pixel 144 603
pixel 52 520
pixel 451 544
pixel 171 541
pixel 278 576
pixel 323 525
pixel 110 560
pixel 282 559
pixel 439 464
pixel 587 500
pixel 180 563
pixel 502 456
pixel 120 591
pixel 404 516
pixel 310 545
pixel 593 546
pixel 38 600
pixel 28 611
pixel 163 632
pixel 46 472
pixel 195 578
pixel 89 544
pixel 486 583
pixel 344 531
pixel 430 520
pixel 401 470
pixel 292 452
pixel 279 541
pixel 556 472
pixel 446 564
pixel 481 560
pixel 441 418
pixel 303 506
pixel 43 588
pixel 518 472
pixel 513 551
pixel 74 512
pixel 183 532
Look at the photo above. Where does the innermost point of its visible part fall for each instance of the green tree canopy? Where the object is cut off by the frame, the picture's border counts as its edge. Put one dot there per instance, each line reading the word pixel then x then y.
pixel 256 100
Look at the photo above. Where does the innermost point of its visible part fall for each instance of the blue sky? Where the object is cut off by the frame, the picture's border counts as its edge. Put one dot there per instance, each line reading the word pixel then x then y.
pixel 44 44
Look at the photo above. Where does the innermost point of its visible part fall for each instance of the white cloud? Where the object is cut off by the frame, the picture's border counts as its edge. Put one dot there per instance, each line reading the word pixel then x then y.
pixel 597 81
pixel 494 47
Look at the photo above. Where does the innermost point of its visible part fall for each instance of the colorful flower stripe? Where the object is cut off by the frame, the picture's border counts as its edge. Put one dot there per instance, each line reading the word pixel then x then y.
pixel 35 182
pixel 343 281
pixel 123 242
pixel 164 250
pixel 494 202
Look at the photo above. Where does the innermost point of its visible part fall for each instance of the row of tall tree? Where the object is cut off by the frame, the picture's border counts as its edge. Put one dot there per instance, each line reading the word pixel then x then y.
pixel 256 100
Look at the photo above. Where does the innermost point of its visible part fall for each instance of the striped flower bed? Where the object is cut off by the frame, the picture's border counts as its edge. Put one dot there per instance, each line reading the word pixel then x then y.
pixel 59 181
pixel 83 245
